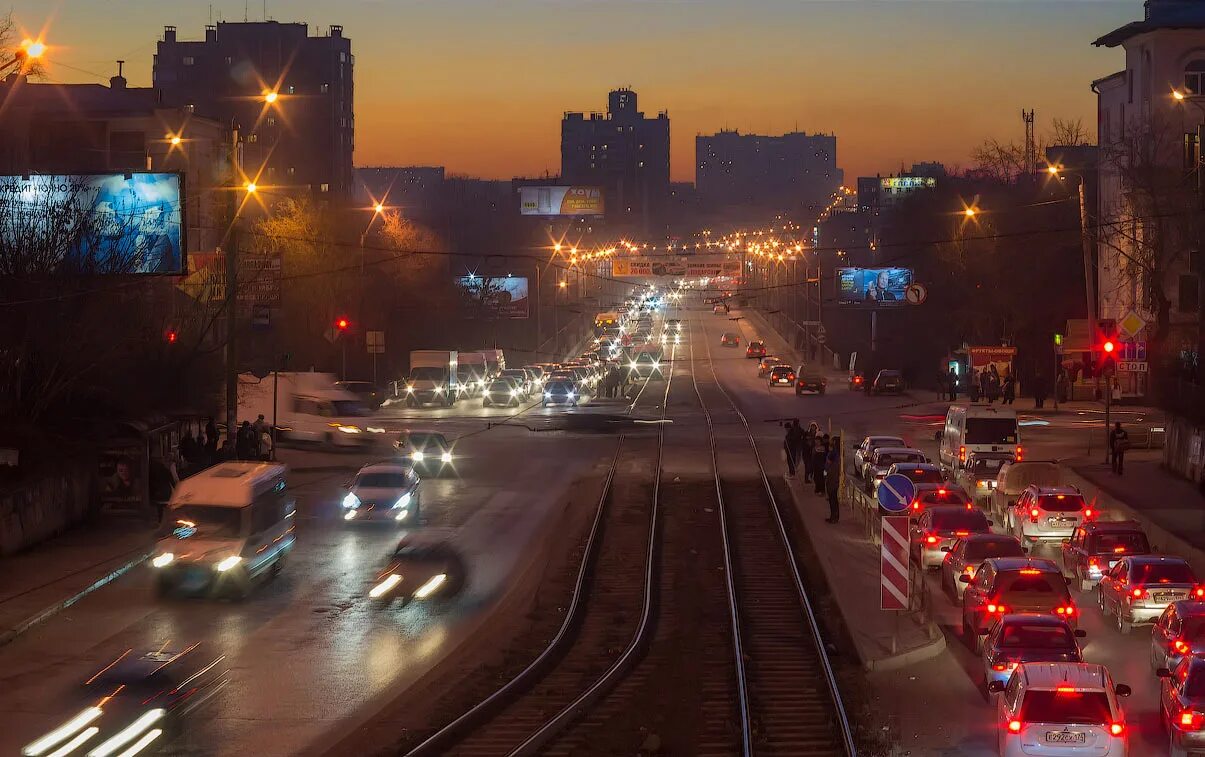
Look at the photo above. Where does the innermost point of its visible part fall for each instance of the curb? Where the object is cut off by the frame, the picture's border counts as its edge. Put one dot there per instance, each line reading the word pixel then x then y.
pixel 908 656
pixel 13 633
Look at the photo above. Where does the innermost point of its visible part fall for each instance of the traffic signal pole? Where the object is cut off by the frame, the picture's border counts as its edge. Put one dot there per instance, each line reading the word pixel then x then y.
pixel 232 293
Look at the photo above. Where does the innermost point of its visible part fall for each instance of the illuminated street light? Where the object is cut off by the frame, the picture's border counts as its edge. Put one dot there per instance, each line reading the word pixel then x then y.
pixel 1052 170
pixel 270 96
pixel 1177 94
pixel 175 140
pixel 250 187
pixel 33 48
pixel 970 212
pixel 378 208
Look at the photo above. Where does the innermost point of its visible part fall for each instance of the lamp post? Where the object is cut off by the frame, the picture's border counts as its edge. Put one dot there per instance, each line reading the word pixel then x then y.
pixel 1198 167
pixel 1086 245
pixel 30 50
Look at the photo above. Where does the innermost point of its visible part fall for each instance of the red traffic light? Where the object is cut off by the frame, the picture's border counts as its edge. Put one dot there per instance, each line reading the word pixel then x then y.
pixel 342 324
pixel 171 336
pixel 1108 347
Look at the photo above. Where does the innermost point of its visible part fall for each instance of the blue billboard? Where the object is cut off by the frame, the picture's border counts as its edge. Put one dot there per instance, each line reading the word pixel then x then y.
pixel 874 287
pixel 495 296
pixel 120 223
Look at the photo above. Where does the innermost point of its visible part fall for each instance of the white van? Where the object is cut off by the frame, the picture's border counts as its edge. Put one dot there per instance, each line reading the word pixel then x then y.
pixel 309 408
pixel 978 428
pixel 225 528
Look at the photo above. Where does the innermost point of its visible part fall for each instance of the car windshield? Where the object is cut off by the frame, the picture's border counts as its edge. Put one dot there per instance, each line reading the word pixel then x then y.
pixel 986 466
pixel 1133 542
pixel 204 521
pixel 890 458
pixel 381 480
pixel 1162 573
pixel 922 476
pixel 960 520
pixel 1069 707
pixel 1018 636
pixel 501 386
pixel 424 441
pixel 782 370
pixel 991 431
pixel 559 387
pixel 1061 503
pixel 943 497
pixel 885 441
pixel 1023 583
pixel 889 374
pixel 984 549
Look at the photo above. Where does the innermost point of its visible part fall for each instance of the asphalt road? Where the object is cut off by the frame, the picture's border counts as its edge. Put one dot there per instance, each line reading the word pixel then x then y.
pixel 937 704
pixel 308 649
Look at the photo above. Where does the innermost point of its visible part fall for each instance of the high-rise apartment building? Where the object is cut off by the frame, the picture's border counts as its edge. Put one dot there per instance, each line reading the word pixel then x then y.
pixel 781 173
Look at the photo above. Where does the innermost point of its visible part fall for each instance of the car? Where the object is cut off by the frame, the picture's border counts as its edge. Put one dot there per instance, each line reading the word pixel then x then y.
pixel 888 382
pixel 927 495
pixel 857 382
pixel 918 473
pixel 1061 708
pixel 140 699
pixel 766 363
pixel 968 552
pixel 978 475
pixel 1014 477
pixel 645 364
pixel 936 530
pixel 870 444
pixel 730 339
pixel 885 457
pixel 369 393
pixel 756 348
pixel 537 374
pixel 383 491
pixel 428 452
pixel 1095 546
pixel 522 380
pixel 1047 513
pixel 781 375
pixel 1019 638
pixel 810 380
pixel 502 391
pixel 560 391
pixel 719 310
pixel 1140 587
pixel 423 566
pixel 1182 705
pixel 1178 633
pixel 1002 585
pixel 674 325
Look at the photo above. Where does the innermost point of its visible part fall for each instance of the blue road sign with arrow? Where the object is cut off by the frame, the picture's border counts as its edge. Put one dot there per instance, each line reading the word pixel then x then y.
pixel 895 493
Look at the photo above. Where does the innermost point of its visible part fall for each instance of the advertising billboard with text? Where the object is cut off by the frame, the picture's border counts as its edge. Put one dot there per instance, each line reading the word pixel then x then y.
pixel 631 267
pixel 561 201
pixel 495 296
pixel 117 223
pixel 874 287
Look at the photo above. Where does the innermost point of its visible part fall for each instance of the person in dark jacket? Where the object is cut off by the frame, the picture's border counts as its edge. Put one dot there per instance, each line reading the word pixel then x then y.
pixel 1039 390
pixel 819 457
pixel 1010 389
pixel 790 448
pixel 806 448
pixel 832 480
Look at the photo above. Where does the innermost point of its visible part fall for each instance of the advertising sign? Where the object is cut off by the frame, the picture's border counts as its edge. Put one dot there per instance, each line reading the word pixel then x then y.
pixel 495 296
pixel 631 267
pixel 905 183
pixel 259 278
pixel 121 470
pixel 877 287
pixel 560 201
pixel 122 223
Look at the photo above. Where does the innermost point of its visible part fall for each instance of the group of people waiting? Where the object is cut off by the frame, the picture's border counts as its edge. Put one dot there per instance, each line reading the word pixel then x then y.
pixel 820 457
pixel 252 441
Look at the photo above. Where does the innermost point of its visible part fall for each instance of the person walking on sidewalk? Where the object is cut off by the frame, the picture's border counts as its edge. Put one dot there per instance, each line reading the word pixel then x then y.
pixel 807 446
pixel 789 443
pixel 1119 442
pixel 953 382
pixel 832 480
pixel 1010 389
pixel 819 458
pixel 1039 390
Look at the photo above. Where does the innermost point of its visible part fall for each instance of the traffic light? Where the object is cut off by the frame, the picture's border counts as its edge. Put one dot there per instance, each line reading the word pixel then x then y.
pixel 171 336
pixel 1108 363
pixel 342 325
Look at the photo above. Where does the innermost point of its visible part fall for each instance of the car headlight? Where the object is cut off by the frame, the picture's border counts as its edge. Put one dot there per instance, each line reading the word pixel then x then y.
pixel 385 585
pixel 351 500
pixel 349 514
pixel 417 456
pixel 409 389
pixel 439 390
pixel 350 429
pixel 514 392
pixel 571 395
pixel 228 563
pixel 163 560
pixel 445 457
pixel 403 500
pixel 76 725
pixel 547 395
pixel 140 727
pixel 481 383
pixel 431 586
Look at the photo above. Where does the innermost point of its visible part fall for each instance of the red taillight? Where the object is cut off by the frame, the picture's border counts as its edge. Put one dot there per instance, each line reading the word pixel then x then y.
pixel 1117 729
pixel 962 454
pixel 1092 563
pixel 916 506
pixel 1136 593
pixel 1118 550
pixel 999 668
pixel 1034 512
pixel 1069 610
pixel 997 608
pixel 1180 646
pixel 1018 456
pixel 962 533
pixel 941 492
pixel 1088 513
pixel 930 539
pixel 969 570
pixel 1190 720
pixel 1014 726
pixel 1030 572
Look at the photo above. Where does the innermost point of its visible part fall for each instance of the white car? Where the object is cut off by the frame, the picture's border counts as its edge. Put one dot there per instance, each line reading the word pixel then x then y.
pixel 884 458
pixel 383 491
pixel 1061 709
pixel 868 446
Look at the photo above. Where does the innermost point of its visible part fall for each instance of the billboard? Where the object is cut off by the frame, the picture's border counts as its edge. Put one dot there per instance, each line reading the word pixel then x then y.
pixel 907 183
pixel 124 223
pixel 495 296
pixel 631 267
pixel 878 287
pixel 560 201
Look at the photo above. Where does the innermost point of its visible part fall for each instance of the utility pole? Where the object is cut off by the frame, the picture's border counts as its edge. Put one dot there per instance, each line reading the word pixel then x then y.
pixel 232 289
pixel 1085 233
pixel 1031 145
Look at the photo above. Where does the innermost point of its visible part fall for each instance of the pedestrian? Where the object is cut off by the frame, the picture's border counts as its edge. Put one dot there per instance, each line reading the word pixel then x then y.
pixel 953 382
pixel 832 480
pixel 993 387
pixel 1010 389
pixel 244 442
pixel 806 447
pixel 211 441
pixel 799 436
pixel 788 446
pixel 943 390
pixel 1119 443
pixel 263 435
pixel 983 382
pixel 1062 386
pixel 819 458
pixel 1039 390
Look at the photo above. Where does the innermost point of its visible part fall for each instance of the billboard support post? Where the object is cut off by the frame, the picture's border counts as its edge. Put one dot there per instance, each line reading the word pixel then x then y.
pixel 232 293
pixel 874 329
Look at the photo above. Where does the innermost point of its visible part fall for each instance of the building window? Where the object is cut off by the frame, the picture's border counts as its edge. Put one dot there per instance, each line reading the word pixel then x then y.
pixel 291 171
pixel 324 187
pixel 270 120
pixel 1190 296
pixel 190 107
pixel 324 88
pixel 1194 77
pixel 252 137
pixel 342 57
pixel 229 60
pixel 189 60
pixel 291 90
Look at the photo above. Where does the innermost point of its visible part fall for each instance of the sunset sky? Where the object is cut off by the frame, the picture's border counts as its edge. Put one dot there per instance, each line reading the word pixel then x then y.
pixel 480 85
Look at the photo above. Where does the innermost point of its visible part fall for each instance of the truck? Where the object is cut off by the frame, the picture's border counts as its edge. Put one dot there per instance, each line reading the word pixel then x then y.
pixel 473 373
pixel 308 408
pixel 605 320
pixel 433 378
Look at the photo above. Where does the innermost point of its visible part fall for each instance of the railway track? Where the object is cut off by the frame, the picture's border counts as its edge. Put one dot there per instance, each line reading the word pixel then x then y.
pixel 609 614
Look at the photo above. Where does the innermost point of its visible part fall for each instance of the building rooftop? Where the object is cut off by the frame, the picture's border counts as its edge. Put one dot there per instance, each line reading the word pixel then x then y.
pixel 78 98
pixel 1160 14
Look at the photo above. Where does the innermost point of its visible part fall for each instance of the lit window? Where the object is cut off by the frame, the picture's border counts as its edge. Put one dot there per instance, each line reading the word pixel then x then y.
pixel 229 60
pixel 188 60
pixel 271 120
pixel 291 90
pixel 190 107
pixel 292 171
pixel 324 187
pixel 252 137
pixel 324 88
pixel 1194 77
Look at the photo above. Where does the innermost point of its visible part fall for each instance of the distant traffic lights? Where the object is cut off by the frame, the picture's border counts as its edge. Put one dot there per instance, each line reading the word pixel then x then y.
pixel 342 325
pixel 1108 347
pixel 171 336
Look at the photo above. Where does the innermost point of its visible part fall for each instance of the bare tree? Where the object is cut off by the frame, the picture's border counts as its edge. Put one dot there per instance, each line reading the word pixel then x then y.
pixel 998 161
pixel 10 45
pixel 1069 132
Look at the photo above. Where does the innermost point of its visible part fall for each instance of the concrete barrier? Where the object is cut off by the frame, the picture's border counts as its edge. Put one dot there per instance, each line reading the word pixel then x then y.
pixel 33 511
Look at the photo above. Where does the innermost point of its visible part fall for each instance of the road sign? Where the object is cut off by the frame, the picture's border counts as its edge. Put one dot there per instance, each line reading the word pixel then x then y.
pixel 893 563
pixel 821 338
pixel 916 294
pixel 1130 324
pixel 375 340
pixel 895 493
pixel 1133 366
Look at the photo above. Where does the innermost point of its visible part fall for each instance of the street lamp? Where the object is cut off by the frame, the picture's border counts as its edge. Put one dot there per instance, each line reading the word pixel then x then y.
pixel 271 96
pixel 29 50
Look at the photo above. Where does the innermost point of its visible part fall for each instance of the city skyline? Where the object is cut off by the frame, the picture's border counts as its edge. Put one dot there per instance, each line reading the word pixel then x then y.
pixel 470 98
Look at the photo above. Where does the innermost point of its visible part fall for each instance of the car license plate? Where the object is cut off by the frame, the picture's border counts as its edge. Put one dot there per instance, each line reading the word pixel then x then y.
pixel 1166 596
pixel 1066 737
